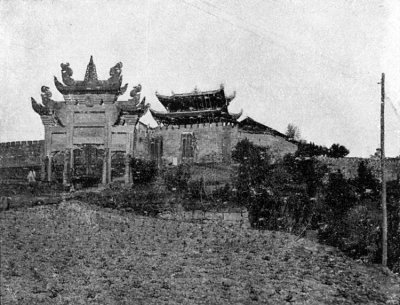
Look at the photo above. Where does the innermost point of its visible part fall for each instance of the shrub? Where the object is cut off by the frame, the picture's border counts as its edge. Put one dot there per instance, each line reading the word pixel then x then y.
pixel 366 184
pixel 306 171
pixel 289 214
pixel 223 194
pixel 176 178
pixel 197 190
pixel 362 234
pixel 305 149
pixel 338 151
pixel 340 195
pixel 143 171
pixel 309 150
pixel 339 198
pixel 254 165
pixel 354 224
pixel 393 209
pixel 145 202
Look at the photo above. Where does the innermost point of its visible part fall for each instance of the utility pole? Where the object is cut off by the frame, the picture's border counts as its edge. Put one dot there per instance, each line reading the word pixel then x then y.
pixel 383 191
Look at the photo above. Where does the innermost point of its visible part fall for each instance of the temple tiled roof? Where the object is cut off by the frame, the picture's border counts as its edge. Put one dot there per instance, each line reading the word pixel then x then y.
pixel 91 84
pixel 196 100
pixel 250 125
pixel 131 106
pixel 194 117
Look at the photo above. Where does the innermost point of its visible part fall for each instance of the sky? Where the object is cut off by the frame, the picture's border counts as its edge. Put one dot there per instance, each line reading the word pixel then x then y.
pixel 315 64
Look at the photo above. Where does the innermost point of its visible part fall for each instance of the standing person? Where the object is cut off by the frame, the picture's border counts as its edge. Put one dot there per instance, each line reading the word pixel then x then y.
pixel 32 180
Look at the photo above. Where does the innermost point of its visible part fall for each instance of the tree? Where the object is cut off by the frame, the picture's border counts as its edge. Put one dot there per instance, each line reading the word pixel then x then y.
pixel 339 195
pixel 337 151
pixel 305 149
pixel 365 181
pixel 307 171
pixel 254 165
pixel 293 132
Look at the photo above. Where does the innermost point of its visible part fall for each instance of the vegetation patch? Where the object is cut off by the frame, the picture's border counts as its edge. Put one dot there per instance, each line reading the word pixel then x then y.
pixel 81 254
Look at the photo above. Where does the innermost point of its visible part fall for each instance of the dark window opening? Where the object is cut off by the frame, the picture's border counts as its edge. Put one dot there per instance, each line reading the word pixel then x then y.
pixel 187 145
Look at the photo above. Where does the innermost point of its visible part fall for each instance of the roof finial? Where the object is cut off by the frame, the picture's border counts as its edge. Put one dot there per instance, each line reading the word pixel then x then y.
pixel 91 74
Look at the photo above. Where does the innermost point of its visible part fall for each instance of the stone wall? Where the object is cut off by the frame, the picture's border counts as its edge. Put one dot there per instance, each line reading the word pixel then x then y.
pixel 17 157
pixel 212 142
pixel 279 146
pixel 348 166
pixel 21 153
pixel 240 219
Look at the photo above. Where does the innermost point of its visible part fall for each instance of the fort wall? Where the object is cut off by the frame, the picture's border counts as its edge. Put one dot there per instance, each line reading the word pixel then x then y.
pixel 16 158
pixel 348 166
pixel 214 144
pixel 278 146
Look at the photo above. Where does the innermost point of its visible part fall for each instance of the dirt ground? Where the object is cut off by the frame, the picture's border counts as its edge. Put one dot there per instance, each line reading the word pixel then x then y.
pixel 73 253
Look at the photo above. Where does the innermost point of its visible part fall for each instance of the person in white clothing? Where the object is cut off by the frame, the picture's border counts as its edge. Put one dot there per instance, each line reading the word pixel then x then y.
pixel 32 180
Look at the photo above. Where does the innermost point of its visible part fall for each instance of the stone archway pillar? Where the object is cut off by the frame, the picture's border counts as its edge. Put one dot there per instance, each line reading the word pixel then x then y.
pixel 49 166
pixel 71 163
pixel 43 169
pixel 108 158
pixel 106 166
pixel 127 176
pixel 67 164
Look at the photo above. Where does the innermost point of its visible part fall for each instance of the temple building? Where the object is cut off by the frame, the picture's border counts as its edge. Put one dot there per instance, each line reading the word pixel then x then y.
pixel 93 134
pixel 197 127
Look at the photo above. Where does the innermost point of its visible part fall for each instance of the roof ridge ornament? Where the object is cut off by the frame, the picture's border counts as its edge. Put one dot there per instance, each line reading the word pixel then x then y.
pixel 46 98
pixel 91 84
pixel 115 73
pixel 66 73
pixel 91 73
pixel 135 94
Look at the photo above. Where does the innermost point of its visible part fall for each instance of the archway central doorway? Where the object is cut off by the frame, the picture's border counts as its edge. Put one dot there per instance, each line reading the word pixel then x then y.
pixel 88 163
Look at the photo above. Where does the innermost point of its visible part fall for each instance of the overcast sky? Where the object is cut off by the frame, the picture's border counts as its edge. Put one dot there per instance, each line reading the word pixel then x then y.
pixel 312 63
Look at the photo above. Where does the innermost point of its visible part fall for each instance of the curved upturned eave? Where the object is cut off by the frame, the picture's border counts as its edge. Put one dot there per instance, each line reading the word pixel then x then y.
pixel 83 88
pixel 229 98
pixel 236 116
pixel 60 87
pixel 184 113
pixel 189 94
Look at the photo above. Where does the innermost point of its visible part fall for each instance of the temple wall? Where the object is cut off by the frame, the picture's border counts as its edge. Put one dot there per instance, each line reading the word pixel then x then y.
pixel 17 157
pixel 212 142
pixel 142 141
pixel 279 146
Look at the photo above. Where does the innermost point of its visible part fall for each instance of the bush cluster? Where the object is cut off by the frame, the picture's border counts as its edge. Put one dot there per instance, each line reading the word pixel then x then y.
pixel 310 149
pixel 143 171
pixel 297 193
pixel 176 178
pixel 141 200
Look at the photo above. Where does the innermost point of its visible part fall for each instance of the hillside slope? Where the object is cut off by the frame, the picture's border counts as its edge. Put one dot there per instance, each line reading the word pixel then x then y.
pixel 73 253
